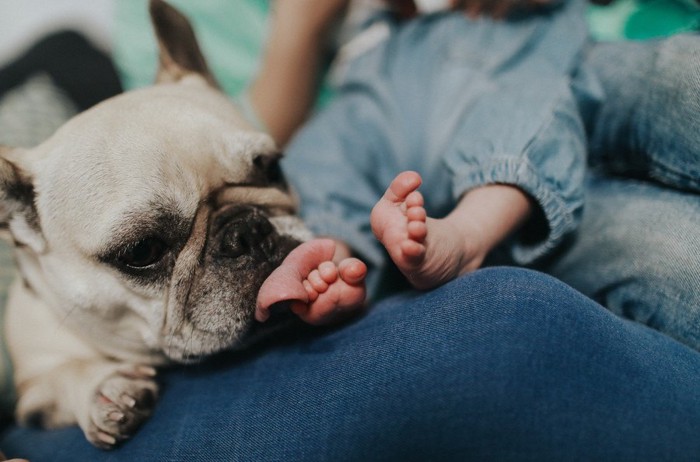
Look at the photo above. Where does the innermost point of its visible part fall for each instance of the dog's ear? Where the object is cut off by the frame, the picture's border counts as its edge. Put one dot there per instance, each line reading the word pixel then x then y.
pixel 17 209
pixel 179 51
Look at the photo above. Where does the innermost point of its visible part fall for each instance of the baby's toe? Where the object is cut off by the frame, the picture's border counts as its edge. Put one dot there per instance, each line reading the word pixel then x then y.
pixel 417 230
pixel 402 186
pixel 310 291
pixel 328 272
pixel 416 213
pixel 414 199
pixel 352 271
pixel 317 281
pixel 412 249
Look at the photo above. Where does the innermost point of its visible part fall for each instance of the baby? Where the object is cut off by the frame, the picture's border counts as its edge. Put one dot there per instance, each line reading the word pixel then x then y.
pixel 483 109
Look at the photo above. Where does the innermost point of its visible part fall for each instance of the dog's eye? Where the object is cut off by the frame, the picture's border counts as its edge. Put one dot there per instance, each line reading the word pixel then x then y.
pixel 144 253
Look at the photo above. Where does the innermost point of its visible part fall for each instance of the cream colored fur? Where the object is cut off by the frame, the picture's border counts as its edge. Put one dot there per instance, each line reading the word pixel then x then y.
pixel 83 335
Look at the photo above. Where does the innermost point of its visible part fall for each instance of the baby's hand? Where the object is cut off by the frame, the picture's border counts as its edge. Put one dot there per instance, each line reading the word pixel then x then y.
pixel 318 290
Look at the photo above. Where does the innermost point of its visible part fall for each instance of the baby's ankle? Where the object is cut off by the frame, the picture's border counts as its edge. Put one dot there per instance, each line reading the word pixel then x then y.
pixel 468 245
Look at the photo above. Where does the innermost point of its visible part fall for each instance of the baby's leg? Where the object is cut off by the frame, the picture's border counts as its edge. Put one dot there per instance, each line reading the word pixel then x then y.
pixel 318 290
pixel 428 252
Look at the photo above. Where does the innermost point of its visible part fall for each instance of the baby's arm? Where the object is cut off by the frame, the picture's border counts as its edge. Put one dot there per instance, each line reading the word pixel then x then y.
pixel 317 289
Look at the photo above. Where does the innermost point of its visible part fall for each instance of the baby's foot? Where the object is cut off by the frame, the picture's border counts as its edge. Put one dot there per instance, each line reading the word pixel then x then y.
pixel 319 291
pixel 334 291
pixel 428 252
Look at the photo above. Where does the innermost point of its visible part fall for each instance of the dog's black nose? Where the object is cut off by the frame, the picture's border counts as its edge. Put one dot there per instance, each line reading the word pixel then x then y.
pixel 244 233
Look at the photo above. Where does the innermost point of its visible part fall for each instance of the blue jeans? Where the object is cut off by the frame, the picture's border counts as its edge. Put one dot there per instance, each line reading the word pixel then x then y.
pixel 637 250
pixel 648 126
pixel 502 364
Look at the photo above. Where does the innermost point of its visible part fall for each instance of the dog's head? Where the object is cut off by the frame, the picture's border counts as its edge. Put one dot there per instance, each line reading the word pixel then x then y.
pixel 149 222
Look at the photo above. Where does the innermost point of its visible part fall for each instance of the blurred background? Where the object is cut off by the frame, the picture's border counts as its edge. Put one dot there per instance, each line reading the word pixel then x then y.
pixel 31 106
pixel 22 22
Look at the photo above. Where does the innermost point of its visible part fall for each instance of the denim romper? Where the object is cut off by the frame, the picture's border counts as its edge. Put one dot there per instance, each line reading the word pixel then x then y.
pixel 465 102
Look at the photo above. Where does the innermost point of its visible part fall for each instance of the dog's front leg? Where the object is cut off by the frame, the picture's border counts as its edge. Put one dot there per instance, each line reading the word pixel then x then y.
pixel 61 380
pixel 108 400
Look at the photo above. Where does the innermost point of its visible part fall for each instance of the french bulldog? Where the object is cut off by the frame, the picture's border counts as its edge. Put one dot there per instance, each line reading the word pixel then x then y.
pixel 143 228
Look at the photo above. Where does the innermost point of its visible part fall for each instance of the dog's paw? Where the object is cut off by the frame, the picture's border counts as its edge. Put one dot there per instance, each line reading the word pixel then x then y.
pixel 121 404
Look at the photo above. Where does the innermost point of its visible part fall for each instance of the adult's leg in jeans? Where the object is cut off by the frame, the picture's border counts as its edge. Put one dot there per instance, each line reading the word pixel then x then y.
pixel 502 364
pixel 647 124
pixel 638 253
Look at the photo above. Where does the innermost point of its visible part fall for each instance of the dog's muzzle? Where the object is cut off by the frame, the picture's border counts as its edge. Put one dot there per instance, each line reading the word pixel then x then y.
pixel 213 301
pixel 244 230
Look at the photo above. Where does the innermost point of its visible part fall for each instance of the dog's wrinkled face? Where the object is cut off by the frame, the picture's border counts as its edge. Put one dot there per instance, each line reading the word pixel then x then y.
pixel 151 220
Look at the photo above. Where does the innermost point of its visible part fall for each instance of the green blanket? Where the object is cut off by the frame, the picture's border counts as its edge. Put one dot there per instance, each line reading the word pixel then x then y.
pixel 643 19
